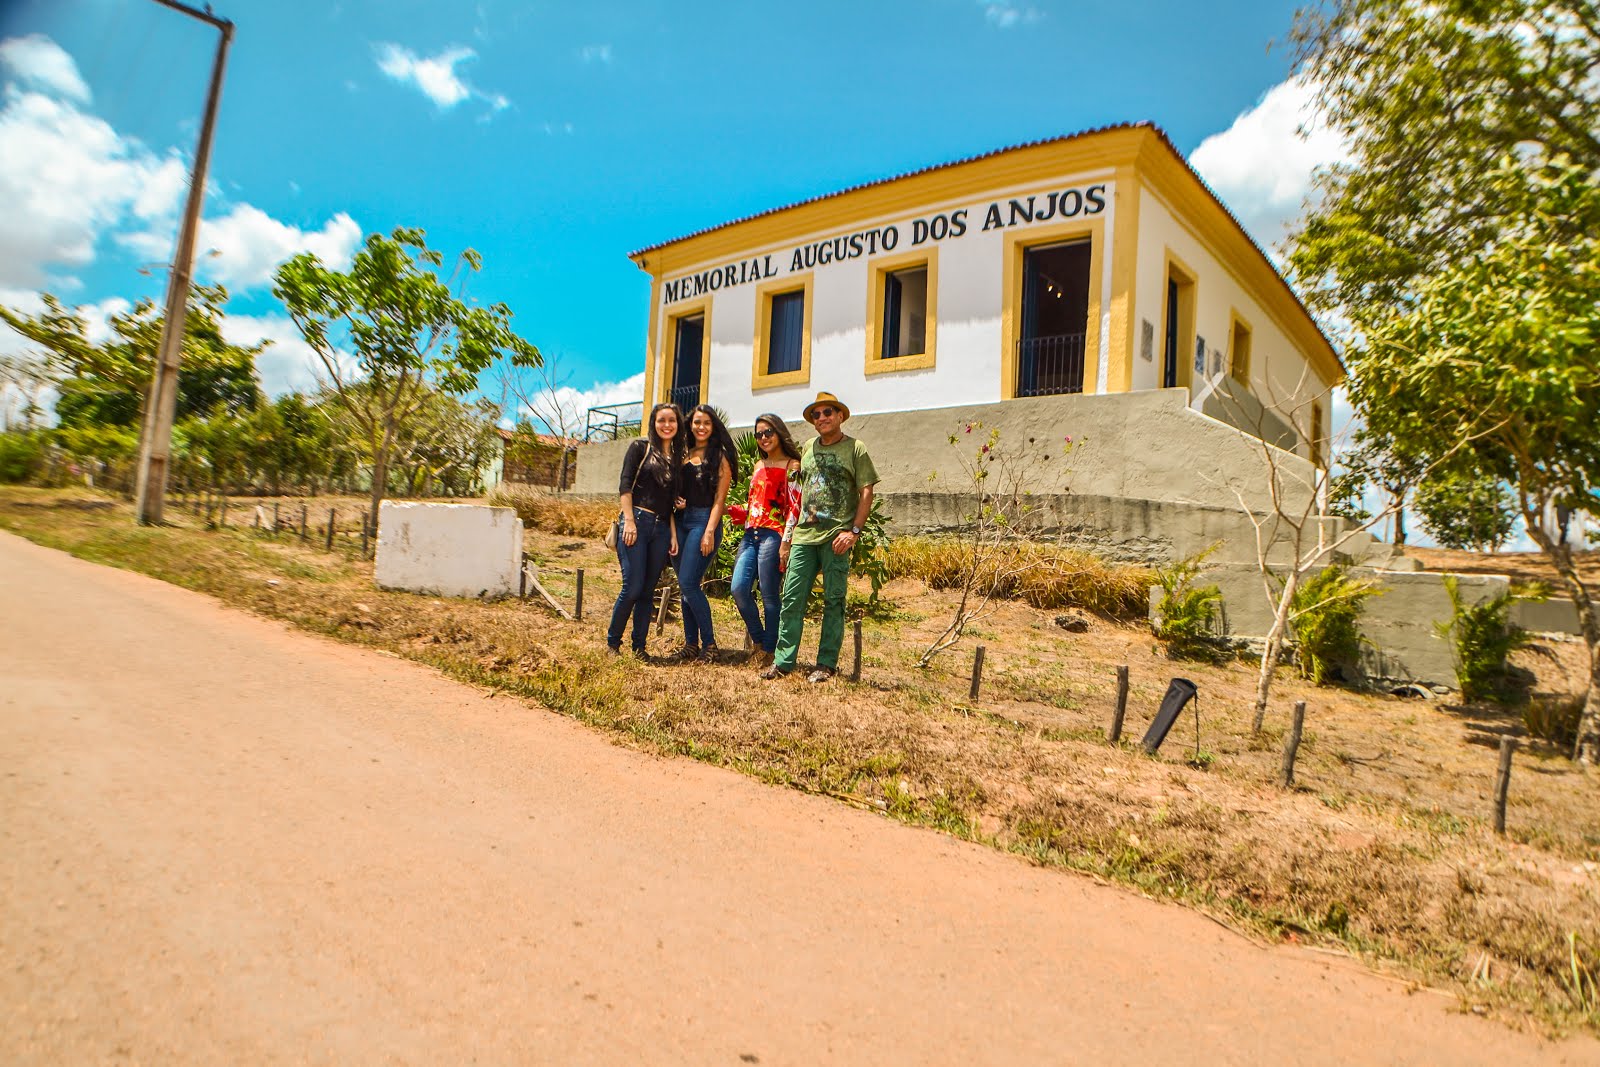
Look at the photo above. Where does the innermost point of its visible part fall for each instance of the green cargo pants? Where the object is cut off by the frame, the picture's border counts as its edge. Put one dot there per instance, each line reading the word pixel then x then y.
pixel 804 562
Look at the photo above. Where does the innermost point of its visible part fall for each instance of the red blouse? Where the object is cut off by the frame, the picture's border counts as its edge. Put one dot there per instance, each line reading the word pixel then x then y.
pixel 773 502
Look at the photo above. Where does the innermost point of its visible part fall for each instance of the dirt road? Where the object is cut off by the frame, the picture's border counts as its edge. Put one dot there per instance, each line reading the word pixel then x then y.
pixel 225 842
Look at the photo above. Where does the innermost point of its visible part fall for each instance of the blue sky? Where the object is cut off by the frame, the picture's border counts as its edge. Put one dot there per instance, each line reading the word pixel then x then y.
pixel 556 138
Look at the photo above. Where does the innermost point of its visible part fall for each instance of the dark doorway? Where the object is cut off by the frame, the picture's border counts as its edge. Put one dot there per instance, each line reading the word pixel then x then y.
pixel 1055 319
pixel 688 347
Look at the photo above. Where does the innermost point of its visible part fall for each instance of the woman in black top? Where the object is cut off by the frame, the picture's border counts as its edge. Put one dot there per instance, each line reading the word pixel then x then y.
pixel 703 481
pixel 649 533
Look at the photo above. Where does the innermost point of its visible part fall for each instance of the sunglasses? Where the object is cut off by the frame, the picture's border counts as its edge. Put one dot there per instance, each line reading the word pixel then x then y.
pixel 764 434
pixel 827 412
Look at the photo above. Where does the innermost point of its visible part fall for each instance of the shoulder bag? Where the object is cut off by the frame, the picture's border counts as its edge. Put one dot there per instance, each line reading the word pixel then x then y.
pixel 614 531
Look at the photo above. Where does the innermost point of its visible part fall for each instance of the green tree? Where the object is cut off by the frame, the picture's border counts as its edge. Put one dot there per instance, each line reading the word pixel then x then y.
pixel 1427 93
pixel 1466 509
pixel 1458 245
pixel 389 330
pixel 103 383
pixel 1498 350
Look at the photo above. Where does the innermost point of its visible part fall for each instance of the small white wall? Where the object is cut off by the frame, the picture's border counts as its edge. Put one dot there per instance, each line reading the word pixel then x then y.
pixel 466 550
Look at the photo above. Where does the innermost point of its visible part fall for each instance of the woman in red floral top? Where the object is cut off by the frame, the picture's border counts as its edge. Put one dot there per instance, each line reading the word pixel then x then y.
pixel 769 514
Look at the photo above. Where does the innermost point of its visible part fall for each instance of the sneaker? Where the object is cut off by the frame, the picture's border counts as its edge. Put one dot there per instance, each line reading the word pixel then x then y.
pixel 613 650
pixel 821 674
pixel 761 658
pixel 684 654
pixel 710 654
pixel 773 671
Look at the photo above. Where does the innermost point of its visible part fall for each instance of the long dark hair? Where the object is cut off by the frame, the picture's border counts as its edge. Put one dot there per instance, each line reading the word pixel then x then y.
pixel 785 438
pixel 719 446
pixel 671 452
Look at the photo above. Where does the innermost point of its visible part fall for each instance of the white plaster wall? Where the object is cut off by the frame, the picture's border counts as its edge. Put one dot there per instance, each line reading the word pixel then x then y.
pixel 448 549
pixel 967 327
pixel 1280 376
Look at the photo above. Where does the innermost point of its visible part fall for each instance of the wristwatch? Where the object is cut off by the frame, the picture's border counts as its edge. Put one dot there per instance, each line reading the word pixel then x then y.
pixel 856 530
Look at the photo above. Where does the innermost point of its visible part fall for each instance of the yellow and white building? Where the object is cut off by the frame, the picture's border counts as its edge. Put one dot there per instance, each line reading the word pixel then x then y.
pixel 1095 264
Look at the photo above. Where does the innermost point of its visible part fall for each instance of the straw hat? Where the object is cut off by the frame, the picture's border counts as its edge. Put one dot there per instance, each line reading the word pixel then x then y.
pixel 830 400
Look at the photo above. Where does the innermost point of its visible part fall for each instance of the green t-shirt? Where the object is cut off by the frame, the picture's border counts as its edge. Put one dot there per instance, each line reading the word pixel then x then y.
pixel 831 480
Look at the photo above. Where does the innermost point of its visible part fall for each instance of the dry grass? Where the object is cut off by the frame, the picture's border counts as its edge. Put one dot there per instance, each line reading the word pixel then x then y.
pixel 1383 849
pixel 554 512
pixel 1046 577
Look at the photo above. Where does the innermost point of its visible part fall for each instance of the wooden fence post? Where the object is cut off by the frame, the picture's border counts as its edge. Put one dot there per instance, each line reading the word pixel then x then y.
pixel 577 600
pixel 304 513
pixel 222 515
pixel 1122 704
pixel 855 666
pixel 661 612
pixel 1291 744
pixel 275 518
pixel 977 673
pixel 330 529
pixel 1502 782
pixel 363 537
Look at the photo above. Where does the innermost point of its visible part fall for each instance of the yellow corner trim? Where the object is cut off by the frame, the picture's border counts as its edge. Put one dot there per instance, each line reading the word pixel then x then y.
pixel 877 269
pixel 1018 242
pixel 1124 281
pixel 650 347
pixel 765 291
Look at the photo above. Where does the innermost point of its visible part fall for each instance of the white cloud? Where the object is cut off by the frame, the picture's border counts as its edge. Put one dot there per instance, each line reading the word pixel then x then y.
pixel 287 364
pixel 1004 15
pixel 1262 165
pixel 66 177
pixel 38 61
pixel 68 180
pixel 595 53
pixel 250 244
pixel 435 76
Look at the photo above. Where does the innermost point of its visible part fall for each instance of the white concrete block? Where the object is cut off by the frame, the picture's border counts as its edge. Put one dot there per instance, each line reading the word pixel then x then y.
pixel 448 549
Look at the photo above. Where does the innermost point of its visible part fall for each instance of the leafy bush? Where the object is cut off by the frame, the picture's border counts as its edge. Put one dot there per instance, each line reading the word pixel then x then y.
pixel 1186 614
pixel 21 456
pixel 1483 639
pixel 1325 616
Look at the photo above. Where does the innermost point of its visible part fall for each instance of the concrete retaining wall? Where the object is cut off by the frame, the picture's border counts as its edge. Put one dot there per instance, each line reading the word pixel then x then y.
pixel 1557 615
pixel 1143 446
pixel 448 549
pixel 1400 624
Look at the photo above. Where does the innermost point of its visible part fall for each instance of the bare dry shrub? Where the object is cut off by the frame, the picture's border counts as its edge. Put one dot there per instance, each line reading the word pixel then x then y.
pixel 553 512
pixel 1049 576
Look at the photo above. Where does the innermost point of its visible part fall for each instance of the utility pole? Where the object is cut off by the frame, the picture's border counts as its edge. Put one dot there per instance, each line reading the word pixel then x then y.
pixel 155 439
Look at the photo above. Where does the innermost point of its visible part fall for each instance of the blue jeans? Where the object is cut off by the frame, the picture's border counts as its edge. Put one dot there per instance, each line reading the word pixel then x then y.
pixel 642 563
pixel 692 567
pixel 757 564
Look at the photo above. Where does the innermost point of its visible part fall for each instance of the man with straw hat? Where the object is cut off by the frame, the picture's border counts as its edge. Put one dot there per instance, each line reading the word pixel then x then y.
pixel 836 480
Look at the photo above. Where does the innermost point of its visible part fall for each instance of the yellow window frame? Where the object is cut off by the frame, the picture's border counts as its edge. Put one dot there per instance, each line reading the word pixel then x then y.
pixel 1017 242
pixel 759 378
pixel 878 271
pixel 669 348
